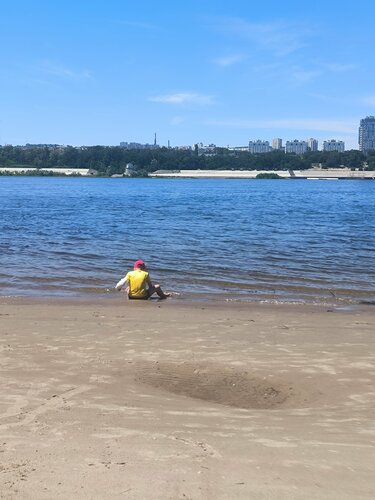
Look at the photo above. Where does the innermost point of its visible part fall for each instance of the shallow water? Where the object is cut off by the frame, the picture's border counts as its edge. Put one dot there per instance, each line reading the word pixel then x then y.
pixel 294 241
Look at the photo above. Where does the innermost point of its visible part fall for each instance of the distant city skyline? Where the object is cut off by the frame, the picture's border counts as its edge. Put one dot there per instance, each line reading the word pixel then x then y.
pixel 90 73
pixel 366 143
pixel 254 146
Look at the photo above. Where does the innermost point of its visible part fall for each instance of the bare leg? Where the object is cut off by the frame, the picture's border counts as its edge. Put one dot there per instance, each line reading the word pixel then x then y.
pixel 156 289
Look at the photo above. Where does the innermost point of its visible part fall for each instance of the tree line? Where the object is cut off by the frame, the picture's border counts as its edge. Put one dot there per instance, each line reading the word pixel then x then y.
pixel 110 160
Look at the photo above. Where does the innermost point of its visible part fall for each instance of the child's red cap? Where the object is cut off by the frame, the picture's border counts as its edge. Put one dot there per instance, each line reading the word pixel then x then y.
pixel 139 263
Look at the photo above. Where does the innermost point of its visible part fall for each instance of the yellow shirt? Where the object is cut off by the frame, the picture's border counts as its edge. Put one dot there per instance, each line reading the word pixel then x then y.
pixel 138 283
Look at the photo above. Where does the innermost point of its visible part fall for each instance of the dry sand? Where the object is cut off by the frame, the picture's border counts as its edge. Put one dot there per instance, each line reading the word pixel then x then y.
pixel 174 400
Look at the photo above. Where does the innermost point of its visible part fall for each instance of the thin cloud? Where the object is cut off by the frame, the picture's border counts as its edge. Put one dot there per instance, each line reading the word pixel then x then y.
pixel 65 72
pixel 183 98
pixel 177 120
pixel 340 68
pixel 301 74
pixel 228 60
pixel 304 76
pixel 279 37
pixel 345 127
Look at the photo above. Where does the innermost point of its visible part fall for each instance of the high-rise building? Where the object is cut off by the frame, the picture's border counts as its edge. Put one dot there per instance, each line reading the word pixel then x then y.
pixel 334 145
pixel 366 137
pixel 277 143
pixel 259 147
pixel 298 147
pixel 312 144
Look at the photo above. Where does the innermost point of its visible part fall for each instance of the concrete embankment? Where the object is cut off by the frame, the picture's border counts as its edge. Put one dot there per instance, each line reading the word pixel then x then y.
pixel 336 173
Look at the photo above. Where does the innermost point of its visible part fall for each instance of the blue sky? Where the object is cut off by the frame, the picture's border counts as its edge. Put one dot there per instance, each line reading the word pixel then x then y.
pixel 89 72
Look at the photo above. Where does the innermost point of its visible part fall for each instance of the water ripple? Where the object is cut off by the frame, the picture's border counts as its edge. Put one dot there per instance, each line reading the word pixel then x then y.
pixel 295 240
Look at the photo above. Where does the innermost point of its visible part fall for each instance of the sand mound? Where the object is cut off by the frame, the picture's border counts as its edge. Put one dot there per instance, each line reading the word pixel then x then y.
pixel 223 385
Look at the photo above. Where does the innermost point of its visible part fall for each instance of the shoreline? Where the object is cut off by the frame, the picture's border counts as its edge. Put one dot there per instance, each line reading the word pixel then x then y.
pixel 342 173
pixel 191 300
pixel 176 399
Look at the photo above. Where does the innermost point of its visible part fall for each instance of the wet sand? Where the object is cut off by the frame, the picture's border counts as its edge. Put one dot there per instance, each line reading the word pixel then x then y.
pixel 174 400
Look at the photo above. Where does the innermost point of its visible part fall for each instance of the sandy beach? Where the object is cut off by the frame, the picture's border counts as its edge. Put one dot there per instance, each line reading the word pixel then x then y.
pixel 175 400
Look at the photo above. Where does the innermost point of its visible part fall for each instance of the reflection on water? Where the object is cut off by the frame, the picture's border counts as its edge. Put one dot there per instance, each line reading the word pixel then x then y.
pixel 248 239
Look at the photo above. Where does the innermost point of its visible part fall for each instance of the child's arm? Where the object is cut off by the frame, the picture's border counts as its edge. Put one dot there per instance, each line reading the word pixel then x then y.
pixel 121 283
pixel 149 282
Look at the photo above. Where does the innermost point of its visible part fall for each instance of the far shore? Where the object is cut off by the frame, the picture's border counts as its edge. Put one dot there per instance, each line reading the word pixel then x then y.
pixel 310 174
pixel 118 399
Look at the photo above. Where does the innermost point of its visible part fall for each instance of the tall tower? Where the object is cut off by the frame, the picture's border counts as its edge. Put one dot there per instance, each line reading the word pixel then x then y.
pixel 366 137
pixel 155 141
pixel 312 144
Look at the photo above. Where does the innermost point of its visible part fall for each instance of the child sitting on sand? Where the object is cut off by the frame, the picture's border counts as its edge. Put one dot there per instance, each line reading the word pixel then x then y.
pixel 140 285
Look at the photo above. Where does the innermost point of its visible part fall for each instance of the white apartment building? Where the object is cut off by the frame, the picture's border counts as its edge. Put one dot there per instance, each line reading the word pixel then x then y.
pixel 333 145
pixel 259 147
pixel 207 150
pixel 277 143
pixel 296 146
pixel 312 144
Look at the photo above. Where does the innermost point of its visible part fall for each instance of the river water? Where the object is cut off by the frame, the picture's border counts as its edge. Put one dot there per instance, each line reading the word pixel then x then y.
pixel 264 240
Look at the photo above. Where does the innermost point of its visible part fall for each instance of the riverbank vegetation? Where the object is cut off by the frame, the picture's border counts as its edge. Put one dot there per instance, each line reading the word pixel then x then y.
pixel 111 160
